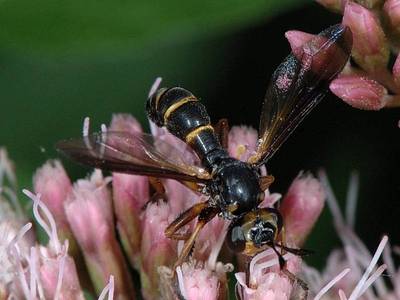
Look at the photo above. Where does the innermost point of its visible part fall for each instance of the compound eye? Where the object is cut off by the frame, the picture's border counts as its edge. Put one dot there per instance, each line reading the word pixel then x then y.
pixel 236 239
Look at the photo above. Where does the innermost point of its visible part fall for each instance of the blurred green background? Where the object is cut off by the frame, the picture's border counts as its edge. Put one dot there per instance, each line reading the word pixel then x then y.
pixel 63 60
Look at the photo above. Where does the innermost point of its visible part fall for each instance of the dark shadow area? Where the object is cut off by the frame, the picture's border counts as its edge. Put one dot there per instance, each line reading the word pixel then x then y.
pixel 335 136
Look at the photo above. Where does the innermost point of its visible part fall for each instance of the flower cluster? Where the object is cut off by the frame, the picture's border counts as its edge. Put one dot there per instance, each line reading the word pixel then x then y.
pixel 104 230
pixel 353 261
pixel 370 81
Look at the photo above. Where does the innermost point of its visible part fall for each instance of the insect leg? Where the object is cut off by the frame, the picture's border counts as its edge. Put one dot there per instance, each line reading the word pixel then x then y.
pixel 248 260
pixel 183 219
pixel 296 280
pixel 222 131
pixel 204 217
pixel 159 191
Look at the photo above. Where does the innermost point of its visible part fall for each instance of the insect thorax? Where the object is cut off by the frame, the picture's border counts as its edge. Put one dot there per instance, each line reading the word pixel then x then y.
pixel 236 188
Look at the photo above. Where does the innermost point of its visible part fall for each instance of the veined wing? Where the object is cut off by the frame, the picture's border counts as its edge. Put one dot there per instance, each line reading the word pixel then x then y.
pixel 298 85
pixel 139 154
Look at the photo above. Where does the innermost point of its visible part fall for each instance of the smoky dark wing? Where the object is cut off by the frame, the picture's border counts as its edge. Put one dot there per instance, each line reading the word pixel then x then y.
pixel 298 85
pixel 138 153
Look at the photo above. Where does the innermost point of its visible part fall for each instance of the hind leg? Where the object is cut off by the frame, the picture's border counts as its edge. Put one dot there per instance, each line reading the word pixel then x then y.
pixel 204 216
pixel 184 218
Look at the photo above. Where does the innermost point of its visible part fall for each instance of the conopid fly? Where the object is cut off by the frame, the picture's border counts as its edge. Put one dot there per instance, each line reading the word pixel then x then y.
pixel 234 189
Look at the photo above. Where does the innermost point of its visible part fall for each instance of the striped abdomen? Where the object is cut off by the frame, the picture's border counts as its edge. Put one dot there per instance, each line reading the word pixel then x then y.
pixel 185 117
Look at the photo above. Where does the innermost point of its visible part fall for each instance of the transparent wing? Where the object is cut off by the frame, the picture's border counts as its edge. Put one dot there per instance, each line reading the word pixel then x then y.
pixel 139 154
pixel 298 85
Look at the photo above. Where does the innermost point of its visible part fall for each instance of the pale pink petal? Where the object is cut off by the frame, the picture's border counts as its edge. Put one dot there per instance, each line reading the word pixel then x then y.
pixel 370 46
pixel 298 38
pixel 359 92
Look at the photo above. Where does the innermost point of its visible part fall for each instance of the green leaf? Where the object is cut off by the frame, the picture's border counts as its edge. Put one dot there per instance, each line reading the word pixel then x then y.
pixel 76 26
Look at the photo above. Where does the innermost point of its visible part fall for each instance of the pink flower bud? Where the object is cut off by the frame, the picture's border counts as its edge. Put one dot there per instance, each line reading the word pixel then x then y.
pixel 391 12
pixel 302 206
pixel 50 270
pixel 359 92
pixel 52 183
pixel 333 5
pixel 130 194
pixel 242 142
pixel 370 47
pixel 298 38
pixel 126 123
pixel 156 249
pixel 197 282
pixel 89 212
pixel 58 276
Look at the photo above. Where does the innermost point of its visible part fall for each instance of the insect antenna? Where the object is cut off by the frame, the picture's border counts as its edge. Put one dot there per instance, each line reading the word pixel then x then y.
pixel 296 251
pixel 282 261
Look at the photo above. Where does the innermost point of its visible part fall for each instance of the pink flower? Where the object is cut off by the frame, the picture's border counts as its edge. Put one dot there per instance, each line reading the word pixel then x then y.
pixel 125 123
pixel 89 212
pixel 391 12
pixel 44 272
pixel 242 142
pixel 65 287
pixel 197 281
pixel 298 38
pixel 354 262
pixel 266 282
pixel 370 47
pixel 130 194
pixel 53 184
pixel 156 249
pixel 359 92
pixel 302 206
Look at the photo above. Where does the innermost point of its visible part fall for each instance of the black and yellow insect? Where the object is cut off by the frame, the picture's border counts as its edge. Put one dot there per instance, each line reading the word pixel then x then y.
pixel 234 188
